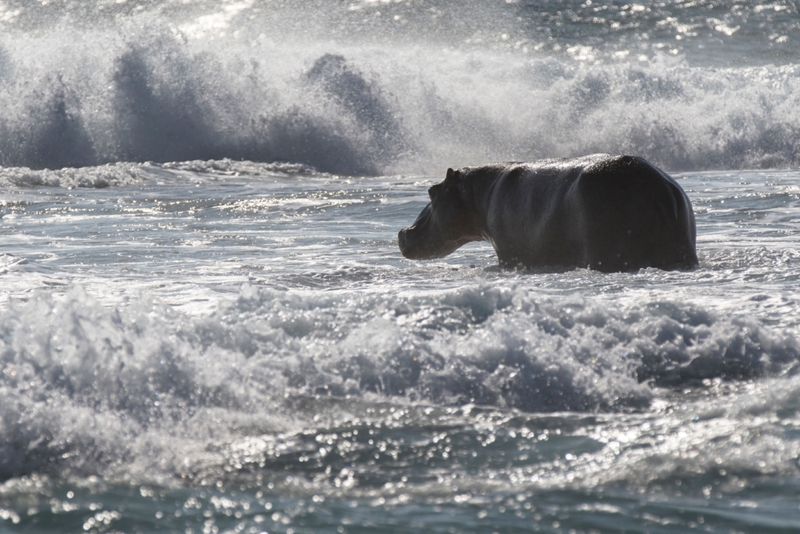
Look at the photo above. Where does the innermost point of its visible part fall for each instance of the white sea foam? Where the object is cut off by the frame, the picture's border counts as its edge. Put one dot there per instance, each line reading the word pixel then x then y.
pixel 88 387
pixel 117 174
pixel 263 86
pixel 206 332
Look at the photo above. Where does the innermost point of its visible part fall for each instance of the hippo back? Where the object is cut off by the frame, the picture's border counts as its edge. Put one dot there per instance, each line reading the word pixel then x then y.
pixel 634 216
pixel 610 213
pixel 531 214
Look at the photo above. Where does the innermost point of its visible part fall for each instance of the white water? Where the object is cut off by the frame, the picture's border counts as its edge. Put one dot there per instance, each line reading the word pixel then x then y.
pixel 240 345
pixel 377 88
pixel 208 299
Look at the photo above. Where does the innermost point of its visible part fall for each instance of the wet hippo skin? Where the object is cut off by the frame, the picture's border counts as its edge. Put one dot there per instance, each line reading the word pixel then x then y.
pixel 609 213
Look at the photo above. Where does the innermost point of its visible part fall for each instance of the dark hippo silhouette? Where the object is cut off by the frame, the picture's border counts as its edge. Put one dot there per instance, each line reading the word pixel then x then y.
pixel 610 213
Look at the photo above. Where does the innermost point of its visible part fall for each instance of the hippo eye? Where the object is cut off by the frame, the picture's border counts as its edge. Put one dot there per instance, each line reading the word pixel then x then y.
pixel 432 190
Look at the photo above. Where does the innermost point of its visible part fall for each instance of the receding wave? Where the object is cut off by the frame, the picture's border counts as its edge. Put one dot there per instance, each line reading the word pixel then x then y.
pixel 80 95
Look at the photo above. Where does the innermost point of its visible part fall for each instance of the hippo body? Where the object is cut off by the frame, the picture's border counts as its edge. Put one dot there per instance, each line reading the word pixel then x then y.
pixel 609 213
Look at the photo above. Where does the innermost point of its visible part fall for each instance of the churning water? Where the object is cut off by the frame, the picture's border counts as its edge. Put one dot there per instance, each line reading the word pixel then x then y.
pixel 206 324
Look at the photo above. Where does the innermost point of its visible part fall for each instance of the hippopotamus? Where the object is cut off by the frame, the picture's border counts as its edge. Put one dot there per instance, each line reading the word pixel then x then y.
pixel 602 212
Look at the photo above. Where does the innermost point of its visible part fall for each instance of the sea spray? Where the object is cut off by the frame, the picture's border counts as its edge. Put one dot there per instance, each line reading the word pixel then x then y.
pixel 237 345
pixel 256 82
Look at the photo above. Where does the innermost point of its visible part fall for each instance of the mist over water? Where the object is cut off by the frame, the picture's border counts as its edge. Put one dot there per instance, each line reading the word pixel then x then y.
pixel 375 88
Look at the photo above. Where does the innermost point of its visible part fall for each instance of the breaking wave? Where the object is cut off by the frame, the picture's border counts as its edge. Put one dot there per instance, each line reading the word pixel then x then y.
pixel 88 389
pixel 250 84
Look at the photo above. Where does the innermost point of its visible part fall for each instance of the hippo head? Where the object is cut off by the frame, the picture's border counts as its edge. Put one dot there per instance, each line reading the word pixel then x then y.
pixel 445 224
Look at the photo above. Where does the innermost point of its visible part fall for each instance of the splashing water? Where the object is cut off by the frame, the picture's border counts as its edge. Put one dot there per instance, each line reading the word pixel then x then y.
pixel 206 325
pixel 371 88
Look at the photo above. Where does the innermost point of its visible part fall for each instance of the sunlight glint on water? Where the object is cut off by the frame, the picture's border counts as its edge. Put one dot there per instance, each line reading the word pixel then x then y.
pixel 206 324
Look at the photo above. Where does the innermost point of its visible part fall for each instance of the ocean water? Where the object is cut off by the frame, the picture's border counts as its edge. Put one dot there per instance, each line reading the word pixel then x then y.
pixel 206 325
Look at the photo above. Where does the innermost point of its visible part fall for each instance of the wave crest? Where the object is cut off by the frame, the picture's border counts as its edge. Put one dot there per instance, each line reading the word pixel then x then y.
pixel 78 375
pixel 79 97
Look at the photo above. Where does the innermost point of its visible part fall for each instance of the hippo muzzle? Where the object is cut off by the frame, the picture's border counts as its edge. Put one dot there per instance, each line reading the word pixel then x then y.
pixel 417 242
pixel 440 229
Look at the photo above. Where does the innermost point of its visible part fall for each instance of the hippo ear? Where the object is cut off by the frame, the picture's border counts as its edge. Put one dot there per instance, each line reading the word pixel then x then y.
pixel 451 178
